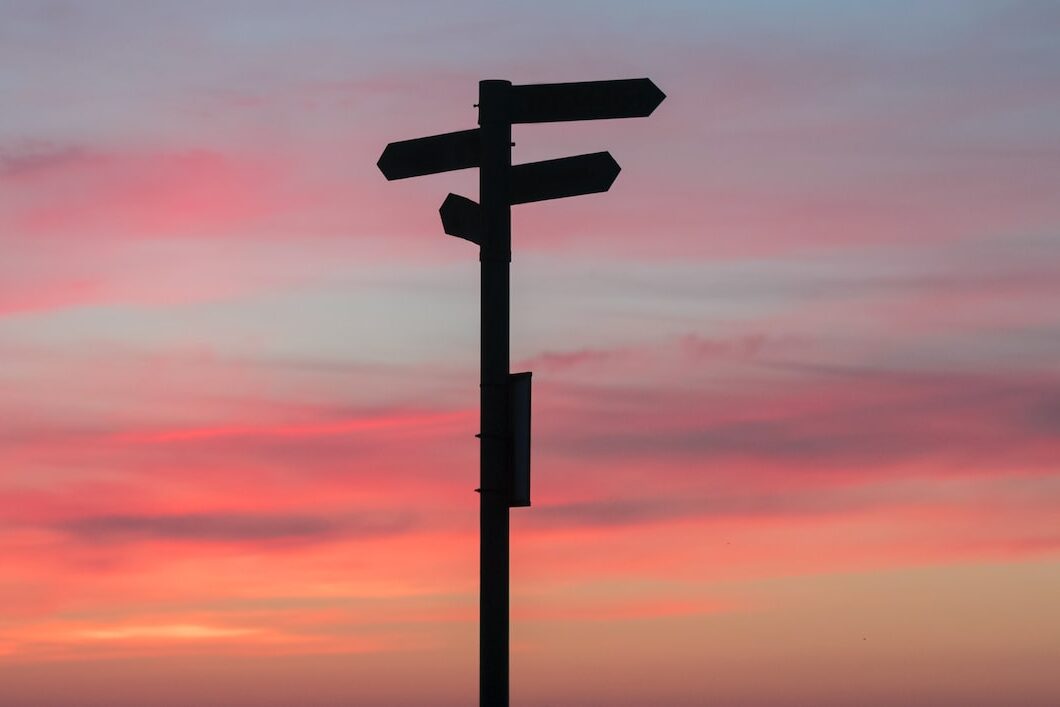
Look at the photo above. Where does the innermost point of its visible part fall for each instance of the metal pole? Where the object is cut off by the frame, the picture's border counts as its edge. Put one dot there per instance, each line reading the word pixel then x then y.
pixel 495 254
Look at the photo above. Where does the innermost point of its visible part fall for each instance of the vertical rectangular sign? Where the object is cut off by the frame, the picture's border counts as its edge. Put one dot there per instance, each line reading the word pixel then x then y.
pixel 519 400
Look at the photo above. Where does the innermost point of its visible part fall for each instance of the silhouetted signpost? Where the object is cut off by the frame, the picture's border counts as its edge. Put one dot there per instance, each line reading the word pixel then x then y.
pixel 504 431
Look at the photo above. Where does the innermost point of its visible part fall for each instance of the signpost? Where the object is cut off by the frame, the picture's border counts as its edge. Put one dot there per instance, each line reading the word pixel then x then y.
pixel 504 427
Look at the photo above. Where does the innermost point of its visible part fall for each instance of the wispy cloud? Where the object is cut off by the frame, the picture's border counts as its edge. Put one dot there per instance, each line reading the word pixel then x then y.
pixel 562 360
pixel 138 194
pixel 234 527
pixel 37 158
pixel 853 419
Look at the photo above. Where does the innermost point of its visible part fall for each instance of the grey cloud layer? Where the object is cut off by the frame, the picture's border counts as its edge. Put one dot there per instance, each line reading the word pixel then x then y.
pixel 235 527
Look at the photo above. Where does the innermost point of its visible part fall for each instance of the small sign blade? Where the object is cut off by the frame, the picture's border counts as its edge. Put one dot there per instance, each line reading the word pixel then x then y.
pixel 585 100
pixel 430 155
pixel 567 176
pixel 519 400
pixel 462 217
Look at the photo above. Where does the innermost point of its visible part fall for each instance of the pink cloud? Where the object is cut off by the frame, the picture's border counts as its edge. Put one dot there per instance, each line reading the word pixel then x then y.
pixel 33 160
pixel 139 195
pixel 562 360
pixel 19 298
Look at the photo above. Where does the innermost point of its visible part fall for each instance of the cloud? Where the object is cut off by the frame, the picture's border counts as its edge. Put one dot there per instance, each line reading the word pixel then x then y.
pixel 234 527
pixel 742 347
pixel 36 158
pixel 138 193
pixel 563 360
pixel 660 353
pixel 853 420
pixel 653 509
pixel 370 423
pixel 21 298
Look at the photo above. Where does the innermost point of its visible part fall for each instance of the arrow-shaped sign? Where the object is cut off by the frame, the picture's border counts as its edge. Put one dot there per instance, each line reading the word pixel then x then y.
pixel 429 155
pixel 535 181
pixel 462 217
pixel 585 100
pixel 567 176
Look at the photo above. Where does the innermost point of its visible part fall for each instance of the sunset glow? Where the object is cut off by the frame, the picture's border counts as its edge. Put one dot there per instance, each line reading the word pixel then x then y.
pixel 796 375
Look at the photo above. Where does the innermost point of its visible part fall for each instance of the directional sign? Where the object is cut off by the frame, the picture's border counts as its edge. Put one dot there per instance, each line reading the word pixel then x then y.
pixel 504 432
pixel 429 155
pixel 462 217
pixel 567 176
pixel 586 100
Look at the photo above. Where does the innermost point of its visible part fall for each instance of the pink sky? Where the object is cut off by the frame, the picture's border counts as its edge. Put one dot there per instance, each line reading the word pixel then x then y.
pixel 797 393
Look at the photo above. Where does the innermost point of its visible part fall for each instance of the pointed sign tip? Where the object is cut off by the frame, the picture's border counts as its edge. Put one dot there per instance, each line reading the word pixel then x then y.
pixel 382 165
pixel 615 169
pixel 654 96
pixel 387 166
pixel 430 155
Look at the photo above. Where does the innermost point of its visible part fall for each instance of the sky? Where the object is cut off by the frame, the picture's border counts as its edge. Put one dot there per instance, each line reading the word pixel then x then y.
pixel 796 376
